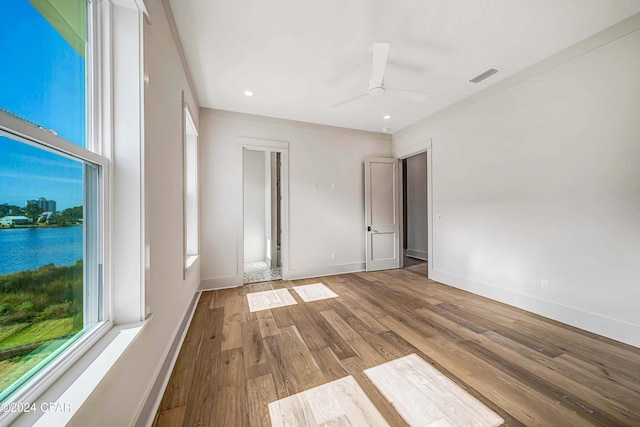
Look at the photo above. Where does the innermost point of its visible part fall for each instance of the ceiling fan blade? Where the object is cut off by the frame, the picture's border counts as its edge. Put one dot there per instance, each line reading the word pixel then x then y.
pixel 412 92
pixel 380 53
pixel 340 104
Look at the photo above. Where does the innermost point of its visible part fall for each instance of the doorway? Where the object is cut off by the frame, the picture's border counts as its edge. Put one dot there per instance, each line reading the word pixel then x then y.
pixel 415 213
pixel 262 194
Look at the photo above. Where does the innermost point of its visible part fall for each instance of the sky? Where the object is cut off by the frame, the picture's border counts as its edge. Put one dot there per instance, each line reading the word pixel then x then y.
pixel 34 55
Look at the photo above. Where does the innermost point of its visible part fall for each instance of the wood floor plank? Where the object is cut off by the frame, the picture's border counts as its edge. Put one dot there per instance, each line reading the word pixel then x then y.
pixel 171 417
pixel 260 392
pixel 231 408
pixel 231 402
pixel 231 332
pixel 329 364
pixel 294 360
pixel 310 332
pixel 595 372
pixel 282 317
pixel 202 398
pixel 267 323
pixel 255 361
pixel 180 381
pixel 366 353
pixel 308 318
pixel 370 336
pixel 277 370
pixel 349 309
pixel 527 369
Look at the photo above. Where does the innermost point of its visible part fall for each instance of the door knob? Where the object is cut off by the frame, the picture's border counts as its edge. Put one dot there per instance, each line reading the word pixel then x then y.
pixel 369 228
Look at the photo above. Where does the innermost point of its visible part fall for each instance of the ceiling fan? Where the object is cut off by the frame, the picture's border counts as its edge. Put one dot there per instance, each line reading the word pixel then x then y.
pixel 379 54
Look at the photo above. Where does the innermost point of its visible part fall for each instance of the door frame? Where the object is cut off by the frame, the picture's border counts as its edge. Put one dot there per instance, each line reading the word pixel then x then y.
pixel 421 147
pixel 270 146
pixel 389 263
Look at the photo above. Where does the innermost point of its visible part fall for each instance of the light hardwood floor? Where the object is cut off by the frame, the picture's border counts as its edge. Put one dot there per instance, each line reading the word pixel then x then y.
pixel 526 369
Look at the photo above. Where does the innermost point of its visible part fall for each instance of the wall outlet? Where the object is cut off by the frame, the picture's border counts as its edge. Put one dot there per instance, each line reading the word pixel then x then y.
pixel 333 255
pixel 544 284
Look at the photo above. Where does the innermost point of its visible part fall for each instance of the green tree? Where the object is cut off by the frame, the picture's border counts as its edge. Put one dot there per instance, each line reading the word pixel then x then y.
pixel 7 209
pixel 68 216
pixel 32 212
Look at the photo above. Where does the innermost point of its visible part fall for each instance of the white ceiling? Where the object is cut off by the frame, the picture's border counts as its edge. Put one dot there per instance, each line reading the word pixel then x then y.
pixel 302 56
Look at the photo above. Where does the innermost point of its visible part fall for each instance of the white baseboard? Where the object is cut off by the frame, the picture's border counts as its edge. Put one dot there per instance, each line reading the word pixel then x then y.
pixel 161 379
pixel 221 283
pixel 416 254
pixel 615 329
pixel 328 270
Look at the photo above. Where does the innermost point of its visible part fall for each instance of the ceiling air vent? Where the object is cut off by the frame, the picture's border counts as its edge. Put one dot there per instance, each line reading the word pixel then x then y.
pixel 483 75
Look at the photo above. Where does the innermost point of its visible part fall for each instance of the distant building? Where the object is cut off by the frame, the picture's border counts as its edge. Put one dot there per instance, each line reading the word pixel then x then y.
pixel 46 217
pixel 44 204
pixel 12 220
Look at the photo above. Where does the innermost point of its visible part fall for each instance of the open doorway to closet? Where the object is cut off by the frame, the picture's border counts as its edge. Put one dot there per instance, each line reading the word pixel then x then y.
pixel 262 216
pixel 415 213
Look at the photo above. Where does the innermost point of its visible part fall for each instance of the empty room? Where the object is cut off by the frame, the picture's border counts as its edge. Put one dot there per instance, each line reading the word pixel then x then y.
pixel 305 213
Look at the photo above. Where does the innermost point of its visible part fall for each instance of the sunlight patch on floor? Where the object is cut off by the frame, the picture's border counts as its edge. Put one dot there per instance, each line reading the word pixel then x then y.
pixel 314 292
pixel 267 300
pixel 423 396
pixel 338 403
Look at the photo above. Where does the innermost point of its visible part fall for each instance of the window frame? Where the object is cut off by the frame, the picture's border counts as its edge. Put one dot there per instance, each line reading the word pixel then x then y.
pixel 191 208
pixel 96 152
pixel 116 129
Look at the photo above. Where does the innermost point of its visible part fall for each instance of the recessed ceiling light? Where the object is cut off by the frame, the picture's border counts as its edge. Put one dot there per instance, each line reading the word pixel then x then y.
pixel 248 93
pixel 386 129
pixel 386 116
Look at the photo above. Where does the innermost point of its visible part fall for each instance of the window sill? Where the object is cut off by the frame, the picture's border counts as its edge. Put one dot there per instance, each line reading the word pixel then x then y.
pixel 65 397
pixel 191 259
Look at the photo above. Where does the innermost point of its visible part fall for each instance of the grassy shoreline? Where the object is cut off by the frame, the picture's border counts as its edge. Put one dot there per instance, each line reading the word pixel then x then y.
pixel 31 300
pixel 39 310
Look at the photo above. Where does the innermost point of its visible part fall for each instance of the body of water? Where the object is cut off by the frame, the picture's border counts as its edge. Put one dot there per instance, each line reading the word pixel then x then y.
pixel 30 248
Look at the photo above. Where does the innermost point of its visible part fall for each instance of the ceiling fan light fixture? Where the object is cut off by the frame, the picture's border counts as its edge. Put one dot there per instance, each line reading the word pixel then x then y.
pixel 379 54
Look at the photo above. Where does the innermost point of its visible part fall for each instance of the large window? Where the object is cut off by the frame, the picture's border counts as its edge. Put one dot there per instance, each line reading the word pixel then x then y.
pixel 51 189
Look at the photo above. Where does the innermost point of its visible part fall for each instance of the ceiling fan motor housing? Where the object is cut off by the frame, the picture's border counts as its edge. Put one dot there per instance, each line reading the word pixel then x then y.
pixel 376 88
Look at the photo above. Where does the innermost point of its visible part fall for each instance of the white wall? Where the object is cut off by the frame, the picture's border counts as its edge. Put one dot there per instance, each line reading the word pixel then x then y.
pixel 541 181
pixel 417 206
pixel 254 205
pixel 322 219
pixel 122 393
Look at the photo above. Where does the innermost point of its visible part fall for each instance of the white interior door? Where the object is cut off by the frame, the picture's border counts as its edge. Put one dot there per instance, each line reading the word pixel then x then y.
pixel 382 229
